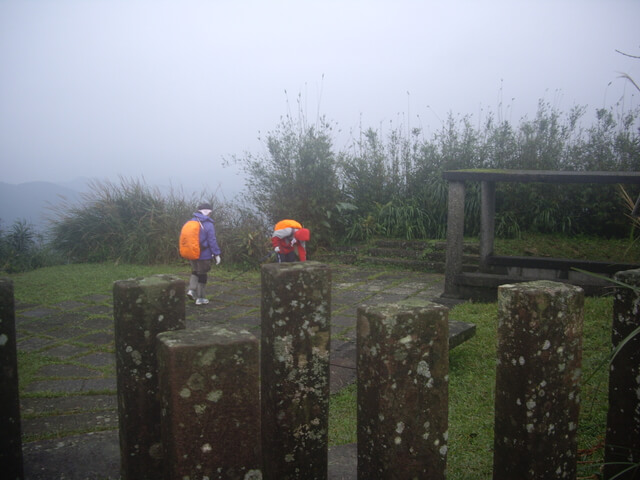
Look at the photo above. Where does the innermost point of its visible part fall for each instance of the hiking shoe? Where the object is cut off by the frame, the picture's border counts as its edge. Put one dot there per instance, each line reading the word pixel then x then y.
pixel 202 301
pixel 191 294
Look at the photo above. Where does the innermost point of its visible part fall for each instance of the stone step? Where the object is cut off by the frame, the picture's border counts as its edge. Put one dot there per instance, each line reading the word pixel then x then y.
pixel 416 255
pixel 433 256
pixel 410 264
pixel 421 245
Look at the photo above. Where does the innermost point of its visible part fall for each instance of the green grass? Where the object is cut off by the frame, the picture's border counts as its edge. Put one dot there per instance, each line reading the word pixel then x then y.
pixel 342 416
pixel 51 285
pixel 578 248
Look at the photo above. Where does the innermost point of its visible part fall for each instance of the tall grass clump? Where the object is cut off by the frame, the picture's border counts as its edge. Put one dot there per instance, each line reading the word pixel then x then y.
pixel 244 237
pixel 127 222
pixel 130 222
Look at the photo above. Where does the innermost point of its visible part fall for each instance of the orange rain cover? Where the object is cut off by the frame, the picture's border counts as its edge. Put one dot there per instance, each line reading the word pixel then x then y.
pixel 286 224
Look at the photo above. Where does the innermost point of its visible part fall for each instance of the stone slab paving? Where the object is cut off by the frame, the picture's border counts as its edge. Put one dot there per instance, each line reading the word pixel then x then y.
pixel 78 337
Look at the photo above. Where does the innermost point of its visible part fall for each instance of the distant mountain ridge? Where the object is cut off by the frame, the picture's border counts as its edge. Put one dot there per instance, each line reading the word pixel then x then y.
pixel 35 201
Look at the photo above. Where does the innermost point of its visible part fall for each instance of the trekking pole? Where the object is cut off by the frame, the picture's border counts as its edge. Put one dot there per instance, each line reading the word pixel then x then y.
pixel 266 257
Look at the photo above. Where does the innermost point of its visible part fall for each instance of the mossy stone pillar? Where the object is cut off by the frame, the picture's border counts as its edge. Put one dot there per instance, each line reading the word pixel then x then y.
pixel 538 380
pixel 623 421
pixel 403 371
pixel 10 438
pixel 296 312
pixel 210 390
pixel 143 308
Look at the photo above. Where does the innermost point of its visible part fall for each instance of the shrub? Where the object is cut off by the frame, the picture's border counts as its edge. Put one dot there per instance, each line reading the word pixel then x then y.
pixel 131 222
pixel 22 249
pixel 297 178
pixel 126 222
pixel 399 172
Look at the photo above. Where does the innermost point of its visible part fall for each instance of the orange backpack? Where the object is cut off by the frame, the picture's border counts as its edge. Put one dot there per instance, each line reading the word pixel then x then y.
pixel 190 240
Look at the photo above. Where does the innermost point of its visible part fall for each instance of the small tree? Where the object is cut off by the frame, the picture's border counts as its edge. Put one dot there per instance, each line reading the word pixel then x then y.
pixel 297 176
pixel 22 249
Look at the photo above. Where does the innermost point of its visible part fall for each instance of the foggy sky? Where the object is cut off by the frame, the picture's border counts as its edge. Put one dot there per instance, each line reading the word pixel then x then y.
pixel 166 89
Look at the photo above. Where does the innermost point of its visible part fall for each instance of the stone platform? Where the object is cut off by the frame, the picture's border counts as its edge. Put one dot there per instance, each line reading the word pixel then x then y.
pixel 77 339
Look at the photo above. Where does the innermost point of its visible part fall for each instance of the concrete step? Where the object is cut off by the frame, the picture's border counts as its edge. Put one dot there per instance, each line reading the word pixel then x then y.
pixel 468 247
pixel 410 264
pixel 433 256
pixel 408 254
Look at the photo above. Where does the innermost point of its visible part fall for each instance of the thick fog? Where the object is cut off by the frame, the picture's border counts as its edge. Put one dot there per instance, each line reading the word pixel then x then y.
pixel 166 90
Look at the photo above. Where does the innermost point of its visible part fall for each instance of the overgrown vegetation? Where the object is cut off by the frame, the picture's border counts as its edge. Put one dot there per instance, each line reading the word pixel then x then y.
pixel 131 222
pixel 387 185
pixel 297 177
pixel 392 185
pixel 404 175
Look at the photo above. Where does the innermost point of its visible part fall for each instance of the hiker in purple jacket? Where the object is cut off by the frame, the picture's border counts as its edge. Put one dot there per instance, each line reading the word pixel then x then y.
pixel 209 250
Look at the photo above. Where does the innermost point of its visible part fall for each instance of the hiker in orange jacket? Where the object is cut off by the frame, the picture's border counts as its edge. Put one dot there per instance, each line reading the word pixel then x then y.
pixel 289 241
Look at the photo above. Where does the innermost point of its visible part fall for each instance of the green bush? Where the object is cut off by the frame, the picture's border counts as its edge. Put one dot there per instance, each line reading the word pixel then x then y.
pixel 379 185
pixel 23 249
pixel 405 172
pixel 131 222
pixel 297 178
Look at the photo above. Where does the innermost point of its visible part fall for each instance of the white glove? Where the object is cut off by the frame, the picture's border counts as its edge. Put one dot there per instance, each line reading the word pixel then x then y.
pixel 217 259
pixel 293 242
pixel 277 249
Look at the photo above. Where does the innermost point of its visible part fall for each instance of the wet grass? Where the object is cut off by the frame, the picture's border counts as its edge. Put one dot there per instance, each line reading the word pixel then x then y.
pixel 575 247
pixel 51 285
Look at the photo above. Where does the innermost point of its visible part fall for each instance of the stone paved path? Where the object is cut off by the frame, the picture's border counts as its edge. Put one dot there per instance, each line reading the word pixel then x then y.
pixel 72 401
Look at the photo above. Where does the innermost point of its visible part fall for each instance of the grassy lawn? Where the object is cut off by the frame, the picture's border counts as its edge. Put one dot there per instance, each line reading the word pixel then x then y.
pixel 51 285
pixel 579 248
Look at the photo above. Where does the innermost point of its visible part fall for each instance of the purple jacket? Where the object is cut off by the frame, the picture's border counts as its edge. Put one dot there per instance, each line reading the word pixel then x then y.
pixel 208 242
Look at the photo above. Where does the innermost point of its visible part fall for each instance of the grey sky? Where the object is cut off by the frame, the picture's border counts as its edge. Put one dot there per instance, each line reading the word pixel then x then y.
pixel 165 89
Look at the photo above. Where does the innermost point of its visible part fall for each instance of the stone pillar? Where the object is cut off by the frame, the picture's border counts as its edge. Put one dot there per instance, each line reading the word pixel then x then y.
pixel 142 307
pixel 210 390
pixel 403 370
pixel 487 221
pixel 455 237
pixel 623 421
pixel 537 380
pixel 296 313
pixel 11 437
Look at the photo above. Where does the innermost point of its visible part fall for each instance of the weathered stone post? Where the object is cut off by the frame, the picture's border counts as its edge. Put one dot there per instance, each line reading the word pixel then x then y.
pixel 142 307
pixel 10 439
pixel 210 390
pixel 537 380
pixel 296 312
pixel 623 421
pixel 455 237
pixel 403 371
